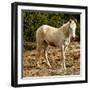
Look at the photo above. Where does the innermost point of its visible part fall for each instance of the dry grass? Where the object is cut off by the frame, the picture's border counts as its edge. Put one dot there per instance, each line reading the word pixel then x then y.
pixel 72 62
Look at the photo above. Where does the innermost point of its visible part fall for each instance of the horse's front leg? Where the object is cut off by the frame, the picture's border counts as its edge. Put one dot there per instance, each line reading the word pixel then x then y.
pixel 63 55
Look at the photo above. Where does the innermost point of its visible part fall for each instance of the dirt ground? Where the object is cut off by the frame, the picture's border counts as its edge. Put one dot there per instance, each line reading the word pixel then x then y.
pixel 30 68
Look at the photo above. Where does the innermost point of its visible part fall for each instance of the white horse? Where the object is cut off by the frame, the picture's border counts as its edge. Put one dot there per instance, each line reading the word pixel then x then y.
pixel 58 37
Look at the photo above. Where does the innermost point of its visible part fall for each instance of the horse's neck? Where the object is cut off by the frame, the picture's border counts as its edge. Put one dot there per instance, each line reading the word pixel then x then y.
pixel 66 30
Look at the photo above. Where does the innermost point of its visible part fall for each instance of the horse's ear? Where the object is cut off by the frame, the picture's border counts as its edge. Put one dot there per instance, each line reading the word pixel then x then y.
pixel 75 20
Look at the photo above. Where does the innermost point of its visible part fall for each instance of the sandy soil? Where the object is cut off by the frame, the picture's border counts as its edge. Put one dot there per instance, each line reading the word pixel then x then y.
pixel 30 68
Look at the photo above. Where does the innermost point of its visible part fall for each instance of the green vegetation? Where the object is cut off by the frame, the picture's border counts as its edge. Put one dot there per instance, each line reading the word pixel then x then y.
pixel 29 45
pixel 32 20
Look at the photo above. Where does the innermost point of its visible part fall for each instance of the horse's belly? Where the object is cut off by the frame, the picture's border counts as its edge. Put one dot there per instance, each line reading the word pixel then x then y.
pixel 54 40
pixel 52 44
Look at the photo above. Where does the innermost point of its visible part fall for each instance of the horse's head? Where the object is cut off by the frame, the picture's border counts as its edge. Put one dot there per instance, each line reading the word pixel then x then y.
pixel 72 28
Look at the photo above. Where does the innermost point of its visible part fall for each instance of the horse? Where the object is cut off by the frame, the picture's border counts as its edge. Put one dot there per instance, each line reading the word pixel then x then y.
pixel 58 37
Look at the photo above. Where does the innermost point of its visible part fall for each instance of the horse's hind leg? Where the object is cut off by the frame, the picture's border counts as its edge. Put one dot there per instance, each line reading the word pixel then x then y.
pixel 38 55
pixel 45 54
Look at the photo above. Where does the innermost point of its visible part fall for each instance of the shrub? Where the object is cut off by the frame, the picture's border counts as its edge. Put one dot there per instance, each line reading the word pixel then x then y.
pixel 32 20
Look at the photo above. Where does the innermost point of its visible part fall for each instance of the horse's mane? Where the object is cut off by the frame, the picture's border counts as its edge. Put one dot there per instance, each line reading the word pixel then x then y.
pixel 64 27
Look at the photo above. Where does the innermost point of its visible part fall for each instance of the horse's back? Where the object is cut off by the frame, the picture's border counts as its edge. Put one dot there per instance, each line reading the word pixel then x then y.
pixel 43 30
